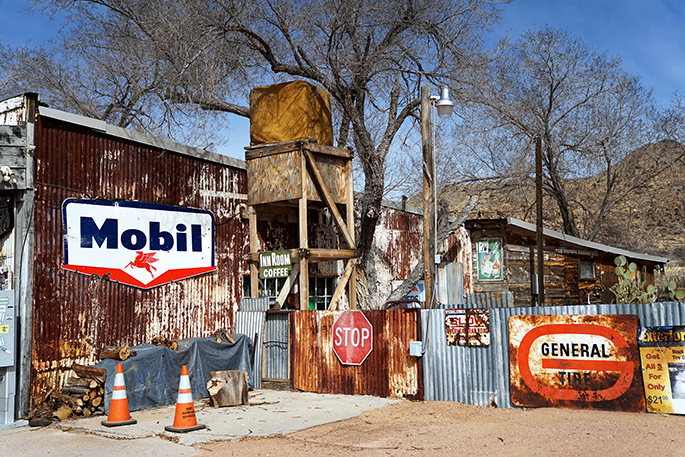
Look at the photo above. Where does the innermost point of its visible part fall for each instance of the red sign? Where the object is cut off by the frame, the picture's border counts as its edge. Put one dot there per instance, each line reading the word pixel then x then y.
pixel 352 338
pixel 575 361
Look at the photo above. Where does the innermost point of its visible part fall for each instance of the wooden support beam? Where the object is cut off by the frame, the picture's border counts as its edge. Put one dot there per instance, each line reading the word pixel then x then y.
pixel 352 283
pixel 254 245
pixel 287 287
pixel 266 150
pixel 323 188
pixel 335 300
pixel 313 254
pixel 304 239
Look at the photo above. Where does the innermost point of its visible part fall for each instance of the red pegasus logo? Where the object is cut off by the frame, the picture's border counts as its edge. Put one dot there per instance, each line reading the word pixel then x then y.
pixel 144 261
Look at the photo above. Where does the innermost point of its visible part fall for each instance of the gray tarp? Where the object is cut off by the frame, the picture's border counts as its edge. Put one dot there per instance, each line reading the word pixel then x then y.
pixel 153 375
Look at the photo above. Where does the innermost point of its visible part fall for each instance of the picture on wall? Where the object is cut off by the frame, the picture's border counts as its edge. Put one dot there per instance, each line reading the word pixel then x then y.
pixel 490 259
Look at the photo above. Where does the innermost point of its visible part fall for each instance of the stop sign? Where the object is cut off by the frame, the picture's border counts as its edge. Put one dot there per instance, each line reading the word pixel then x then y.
pixel 352 338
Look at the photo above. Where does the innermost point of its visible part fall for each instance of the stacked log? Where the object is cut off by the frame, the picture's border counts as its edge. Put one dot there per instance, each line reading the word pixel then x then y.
pixel 223 335
pixel 83 395
pixel 119 353
pixel 87 390
pixel 166 342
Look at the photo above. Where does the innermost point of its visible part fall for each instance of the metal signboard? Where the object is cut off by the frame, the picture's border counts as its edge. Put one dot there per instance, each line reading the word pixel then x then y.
pixel 139 244
pixel 584 362
pixel 7 328
pixel 490 259
pixel 276 264
pixel 662 353
pixel 352 338
pixel 418 293
pixel 467 327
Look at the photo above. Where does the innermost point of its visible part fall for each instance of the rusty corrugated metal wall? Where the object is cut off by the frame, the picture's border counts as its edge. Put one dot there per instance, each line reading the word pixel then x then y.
pixel 480 375
pixel 399 246
pixel 76 315
pixel 388 371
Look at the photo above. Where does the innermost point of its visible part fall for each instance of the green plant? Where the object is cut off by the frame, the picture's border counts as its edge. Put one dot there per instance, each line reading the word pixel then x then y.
pixel 673 293
pixel 631 287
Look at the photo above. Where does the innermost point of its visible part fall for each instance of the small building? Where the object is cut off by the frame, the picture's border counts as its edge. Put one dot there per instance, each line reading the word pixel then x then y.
pixel 502 258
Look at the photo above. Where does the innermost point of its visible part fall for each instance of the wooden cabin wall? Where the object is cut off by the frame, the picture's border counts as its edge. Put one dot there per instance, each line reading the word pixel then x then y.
pixel 561 268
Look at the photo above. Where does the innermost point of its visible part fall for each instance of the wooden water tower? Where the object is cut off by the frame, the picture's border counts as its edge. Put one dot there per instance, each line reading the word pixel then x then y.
pixel 290 172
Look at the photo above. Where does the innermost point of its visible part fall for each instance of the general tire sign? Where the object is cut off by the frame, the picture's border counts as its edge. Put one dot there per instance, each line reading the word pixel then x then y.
pixel 138 244
pixel 584 362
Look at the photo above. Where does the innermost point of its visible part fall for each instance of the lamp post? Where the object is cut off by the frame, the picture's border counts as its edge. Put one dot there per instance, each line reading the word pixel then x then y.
pixel 444 107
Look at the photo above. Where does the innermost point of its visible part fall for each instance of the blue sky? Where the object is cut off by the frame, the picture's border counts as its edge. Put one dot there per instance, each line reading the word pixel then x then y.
pixel 648 35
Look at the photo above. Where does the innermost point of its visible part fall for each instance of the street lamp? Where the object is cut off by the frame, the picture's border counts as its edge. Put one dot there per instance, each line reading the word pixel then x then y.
pixel 444 107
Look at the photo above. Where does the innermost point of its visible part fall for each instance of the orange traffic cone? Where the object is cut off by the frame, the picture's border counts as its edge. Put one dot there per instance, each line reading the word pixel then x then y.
pixel 118 406
pixel 184 420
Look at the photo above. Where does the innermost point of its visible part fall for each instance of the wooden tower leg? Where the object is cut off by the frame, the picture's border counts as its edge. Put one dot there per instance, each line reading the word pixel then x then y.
pixel 254 241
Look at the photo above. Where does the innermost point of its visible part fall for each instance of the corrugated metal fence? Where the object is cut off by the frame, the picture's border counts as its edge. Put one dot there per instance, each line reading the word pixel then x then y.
pixel 388 371
pixel 480 375
pixel 251 323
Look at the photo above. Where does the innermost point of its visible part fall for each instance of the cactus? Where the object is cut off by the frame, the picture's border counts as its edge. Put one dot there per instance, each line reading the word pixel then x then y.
pixel 631 288
pixel 673 293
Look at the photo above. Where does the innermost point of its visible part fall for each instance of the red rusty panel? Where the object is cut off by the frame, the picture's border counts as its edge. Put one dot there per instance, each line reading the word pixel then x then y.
pixel 388 371
pixel 76 315
pixel 399 245
pixel 581 362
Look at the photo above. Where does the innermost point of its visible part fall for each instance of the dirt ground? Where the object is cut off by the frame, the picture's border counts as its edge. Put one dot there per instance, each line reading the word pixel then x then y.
pixel 452 429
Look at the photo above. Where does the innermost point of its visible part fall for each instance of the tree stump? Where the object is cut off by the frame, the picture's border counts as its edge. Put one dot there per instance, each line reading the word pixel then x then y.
pixel 228 388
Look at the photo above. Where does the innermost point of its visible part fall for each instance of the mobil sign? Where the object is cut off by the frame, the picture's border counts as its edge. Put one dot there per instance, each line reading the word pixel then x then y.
pixel 352 338
pixel 138 244
pixel 575 362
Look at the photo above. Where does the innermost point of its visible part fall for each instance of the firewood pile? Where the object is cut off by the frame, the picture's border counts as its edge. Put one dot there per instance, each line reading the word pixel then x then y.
pixel 119 353
pixel 83 396
pixel 166 342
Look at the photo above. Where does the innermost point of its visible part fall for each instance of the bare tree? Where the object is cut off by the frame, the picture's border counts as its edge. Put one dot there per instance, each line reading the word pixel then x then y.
pixel 371 56
pixel 589 113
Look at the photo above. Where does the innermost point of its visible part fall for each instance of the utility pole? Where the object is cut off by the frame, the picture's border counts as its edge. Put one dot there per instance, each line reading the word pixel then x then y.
pixel 428 196
pixel 539 232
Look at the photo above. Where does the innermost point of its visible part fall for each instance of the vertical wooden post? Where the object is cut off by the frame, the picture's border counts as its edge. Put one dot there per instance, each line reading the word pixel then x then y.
pixel 428 196
pixel 539 231
pixel 352 285
pixel 254 247
pixel 24 245
pixel 304 240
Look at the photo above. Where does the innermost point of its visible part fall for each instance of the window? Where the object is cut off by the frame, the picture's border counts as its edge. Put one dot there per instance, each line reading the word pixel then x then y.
pixel 267 287
pixel 586 270
pixel 321 289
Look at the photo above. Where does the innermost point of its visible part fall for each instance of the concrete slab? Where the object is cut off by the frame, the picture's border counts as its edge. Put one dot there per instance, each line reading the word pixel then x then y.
pixel 269 412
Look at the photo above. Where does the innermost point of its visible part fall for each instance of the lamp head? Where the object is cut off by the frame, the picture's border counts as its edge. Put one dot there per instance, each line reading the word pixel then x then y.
pixel 445 105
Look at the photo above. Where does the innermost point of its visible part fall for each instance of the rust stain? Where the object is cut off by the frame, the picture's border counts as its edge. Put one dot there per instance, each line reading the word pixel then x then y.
pixel 76 315
pixel 588 362
pixel 388 371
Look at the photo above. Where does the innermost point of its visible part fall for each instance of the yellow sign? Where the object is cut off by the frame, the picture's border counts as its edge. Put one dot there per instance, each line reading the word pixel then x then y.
pixel 662 354
pixel 4 328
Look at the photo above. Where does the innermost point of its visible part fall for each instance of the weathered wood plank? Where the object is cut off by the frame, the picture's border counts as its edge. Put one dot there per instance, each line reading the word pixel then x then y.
pixel 11 135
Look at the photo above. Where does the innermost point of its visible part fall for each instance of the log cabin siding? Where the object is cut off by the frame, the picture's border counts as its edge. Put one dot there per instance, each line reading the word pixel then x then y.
pixel 563 284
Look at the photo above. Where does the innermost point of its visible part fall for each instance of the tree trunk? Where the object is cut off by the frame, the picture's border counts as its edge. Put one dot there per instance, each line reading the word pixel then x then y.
pixel 228 388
